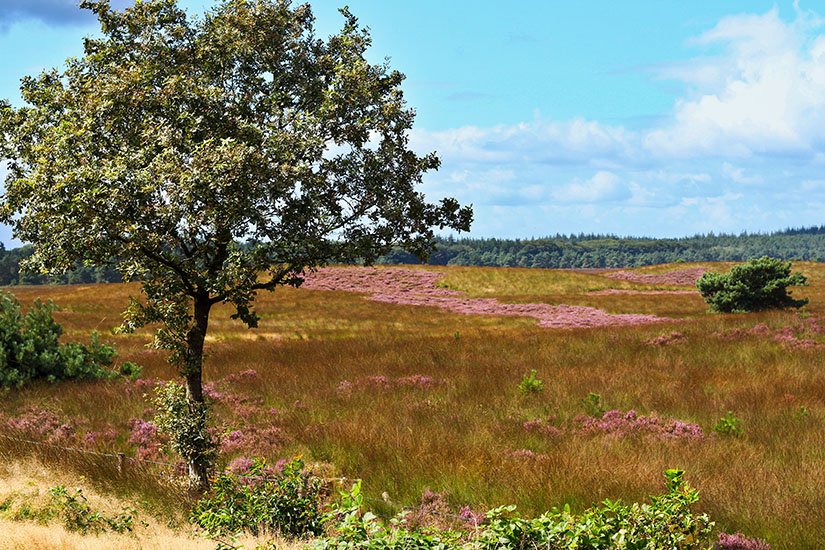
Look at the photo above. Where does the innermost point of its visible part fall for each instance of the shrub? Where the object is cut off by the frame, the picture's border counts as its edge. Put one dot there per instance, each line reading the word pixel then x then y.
pixel 756 285
pixel 530 384
pixel 262 501
pixel 186 425
pixel 729 425
pixel 665 523
pixel 29 347
pixel 77 515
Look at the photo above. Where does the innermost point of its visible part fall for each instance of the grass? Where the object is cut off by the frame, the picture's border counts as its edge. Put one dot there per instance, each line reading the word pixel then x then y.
pixel 28 522
pixel 459 435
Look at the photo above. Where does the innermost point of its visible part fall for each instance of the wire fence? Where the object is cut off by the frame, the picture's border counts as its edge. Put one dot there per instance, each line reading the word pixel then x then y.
pixel 177 471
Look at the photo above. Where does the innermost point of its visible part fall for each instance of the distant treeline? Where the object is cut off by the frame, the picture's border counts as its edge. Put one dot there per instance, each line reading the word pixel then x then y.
pixel 10 271
pixel 559 251
pixel 591 251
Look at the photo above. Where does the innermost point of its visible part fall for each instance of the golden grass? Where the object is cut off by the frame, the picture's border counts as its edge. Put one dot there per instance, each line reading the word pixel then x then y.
pixel 458 436
pixel 24 485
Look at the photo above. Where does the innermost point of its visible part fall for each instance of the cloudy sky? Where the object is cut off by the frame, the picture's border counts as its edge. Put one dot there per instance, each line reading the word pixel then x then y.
pixel 635 118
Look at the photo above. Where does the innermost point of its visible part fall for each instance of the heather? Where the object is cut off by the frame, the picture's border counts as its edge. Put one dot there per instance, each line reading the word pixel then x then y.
pixel 418 288
pixel 410 398
pixel 678 277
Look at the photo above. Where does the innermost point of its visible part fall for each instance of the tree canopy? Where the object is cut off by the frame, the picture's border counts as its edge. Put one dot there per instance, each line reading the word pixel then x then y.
pixel 213 157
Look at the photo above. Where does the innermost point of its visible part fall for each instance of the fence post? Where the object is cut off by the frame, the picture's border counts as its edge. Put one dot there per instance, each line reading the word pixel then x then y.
pixel 121 460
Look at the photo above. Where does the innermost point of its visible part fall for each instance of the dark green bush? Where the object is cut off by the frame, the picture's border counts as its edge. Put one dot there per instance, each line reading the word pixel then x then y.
pixel 756 285
pixel 263 501
pixel 29 347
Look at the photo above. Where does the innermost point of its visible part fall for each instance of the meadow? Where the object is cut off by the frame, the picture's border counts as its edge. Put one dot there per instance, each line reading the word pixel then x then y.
pixel 419 396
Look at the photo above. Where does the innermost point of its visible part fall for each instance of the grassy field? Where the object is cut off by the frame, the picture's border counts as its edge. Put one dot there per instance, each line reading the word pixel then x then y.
pixel 410 398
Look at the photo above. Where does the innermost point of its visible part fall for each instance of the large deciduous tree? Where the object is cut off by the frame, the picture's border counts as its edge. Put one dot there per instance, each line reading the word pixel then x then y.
pixel 214 157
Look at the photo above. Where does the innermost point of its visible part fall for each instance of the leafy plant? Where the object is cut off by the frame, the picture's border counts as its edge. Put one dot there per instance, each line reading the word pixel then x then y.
pixel 729 425
pixel 260 502
pixel 665 523
pixel 530 384
pixel 593 405
pixel 756 285
pixel 29 347
pixel 78 515
pixel 186 423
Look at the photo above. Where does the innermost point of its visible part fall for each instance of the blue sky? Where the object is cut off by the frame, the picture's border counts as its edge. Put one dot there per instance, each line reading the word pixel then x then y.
pixel 636 118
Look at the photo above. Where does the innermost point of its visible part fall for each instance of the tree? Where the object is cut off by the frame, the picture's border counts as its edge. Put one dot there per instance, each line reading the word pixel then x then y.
pixel 214 157
pixel 756 285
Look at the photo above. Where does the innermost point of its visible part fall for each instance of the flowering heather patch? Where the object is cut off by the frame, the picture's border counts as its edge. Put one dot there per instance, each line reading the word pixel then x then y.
pixel 666 339
pixel 40 424
pixel 739 542
pixel 621 424
pixel 798 337
pixel 243 465
pixel 415 381
pixel 681 277
pixel 144 436
pixel 471 517
pixel 417 288
pixel 431 510
pixel 377 281
pixel 253 439
pixel 539 426
pixel 611 291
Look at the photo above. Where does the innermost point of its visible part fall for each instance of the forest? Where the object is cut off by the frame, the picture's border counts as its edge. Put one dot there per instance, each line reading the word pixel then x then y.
pixel 556 252
pixel 610 251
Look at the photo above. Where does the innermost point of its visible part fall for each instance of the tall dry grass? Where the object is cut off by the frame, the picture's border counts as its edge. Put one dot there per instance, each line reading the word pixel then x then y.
pixel 27 520
pixel 462 434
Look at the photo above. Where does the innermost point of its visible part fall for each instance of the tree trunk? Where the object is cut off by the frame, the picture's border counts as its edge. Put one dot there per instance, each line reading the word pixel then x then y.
pixel 198 464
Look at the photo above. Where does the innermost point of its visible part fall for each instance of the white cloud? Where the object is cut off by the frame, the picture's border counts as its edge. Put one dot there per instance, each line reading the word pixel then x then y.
pixel 544 141
pixel 602 187
pixel 765 95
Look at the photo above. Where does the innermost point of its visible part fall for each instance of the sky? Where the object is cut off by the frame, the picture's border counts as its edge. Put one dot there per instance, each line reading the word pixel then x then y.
pixel 661 119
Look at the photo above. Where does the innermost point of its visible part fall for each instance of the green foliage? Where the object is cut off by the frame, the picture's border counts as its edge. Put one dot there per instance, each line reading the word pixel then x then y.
pixel 756 285
pixel 214 157
pixel 592 405
pixel 589 250
pixel 78 515
pixel 530 384
pixel 262 502
pixel 186 423
pixel 729 426
pixel 665 523
pixel 130 370
pixel 29 347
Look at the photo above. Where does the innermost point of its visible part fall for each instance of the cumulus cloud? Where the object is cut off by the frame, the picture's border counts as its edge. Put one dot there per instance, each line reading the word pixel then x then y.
pixel 743 147
pixel 765 95
pixel 542 141
pixel 604 186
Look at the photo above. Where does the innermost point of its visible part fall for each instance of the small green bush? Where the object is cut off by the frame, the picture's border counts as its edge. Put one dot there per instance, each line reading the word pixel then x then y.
pixel 729 426
pixel 530 384
pixel 665 523
pixel 77 515
pixel 29 347
pixel 261 502
pixel 756 285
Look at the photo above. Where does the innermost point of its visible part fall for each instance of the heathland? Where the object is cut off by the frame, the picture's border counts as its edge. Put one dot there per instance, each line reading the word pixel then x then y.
pixel 419 385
